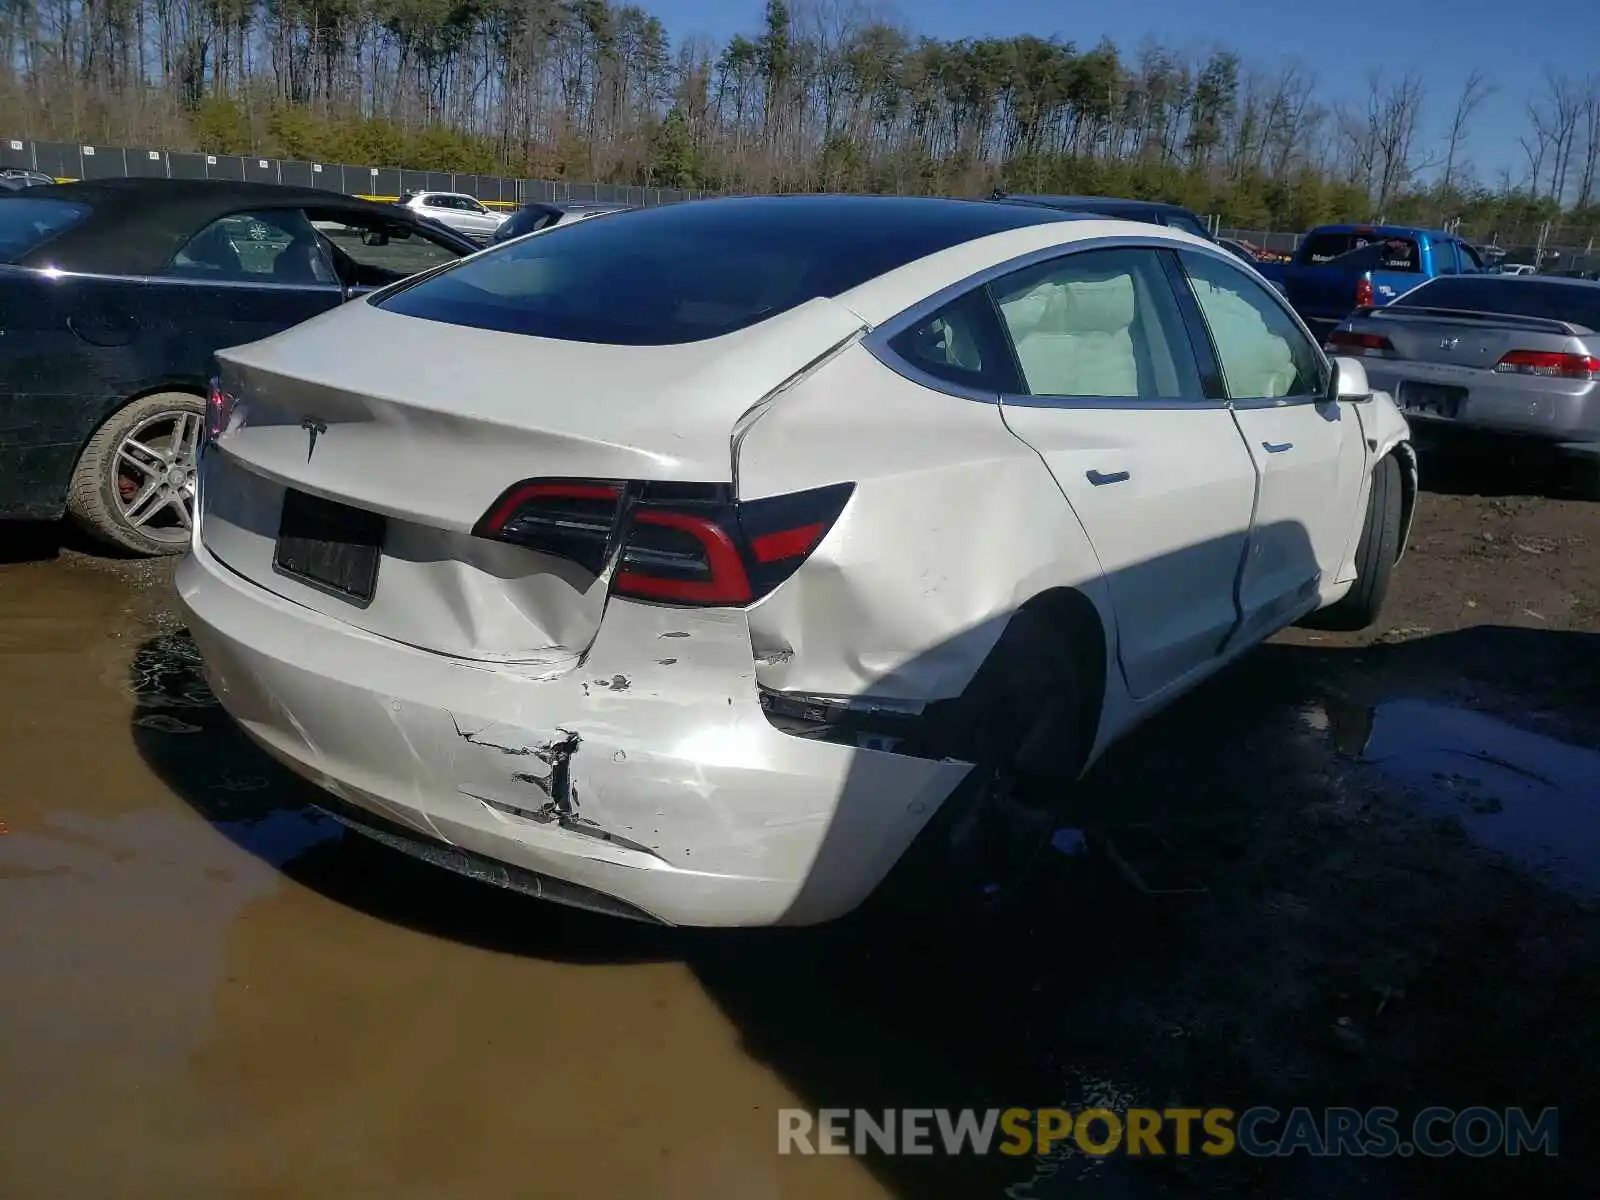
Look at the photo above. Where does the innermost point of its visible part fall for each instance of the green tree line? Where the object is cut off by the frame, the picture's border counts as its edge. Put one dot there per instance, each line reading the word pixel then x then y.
pixel 825 95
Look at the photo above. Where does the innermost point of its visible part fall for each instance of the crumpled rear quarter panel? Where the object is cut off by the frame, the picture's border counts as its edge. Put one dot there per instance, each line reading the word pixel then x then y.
pixel 954 523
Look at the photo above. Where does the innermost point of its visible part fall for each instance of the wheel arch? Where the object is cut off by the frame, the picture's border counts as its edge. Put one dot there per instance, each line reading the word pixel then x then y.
pixel 169 387
pixel 1071 611
pixel 1405 453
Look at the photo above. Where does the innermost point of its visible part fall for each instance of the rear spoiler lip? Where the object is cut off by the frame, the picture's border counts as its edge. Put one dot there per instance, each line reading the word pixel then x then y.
pixel 1547 324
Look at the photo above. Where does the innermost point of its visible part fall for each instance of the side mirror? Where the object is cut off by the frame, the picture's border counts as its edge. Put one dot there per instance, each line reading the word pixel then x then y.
pixel 1348 381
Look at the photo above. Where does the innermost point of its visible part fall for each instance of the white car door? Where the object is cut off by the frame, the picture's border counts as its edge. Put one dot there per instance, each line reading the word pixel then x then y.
pixel 1309 452
pixel 1113 401
pixel 476 220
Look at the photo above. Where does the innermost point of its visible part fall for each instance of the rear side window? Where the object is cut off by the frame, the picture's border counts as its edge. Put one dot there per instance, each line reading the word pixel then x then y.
pixel 26 224
pixel 262 247
pixel 961 344
pixel 1519 297
pixel 1101 324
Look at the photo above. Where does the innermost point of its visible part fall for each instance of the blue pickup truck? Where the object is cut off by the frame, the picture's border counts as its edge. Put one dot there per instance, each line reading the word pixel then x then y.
pixel 1343 267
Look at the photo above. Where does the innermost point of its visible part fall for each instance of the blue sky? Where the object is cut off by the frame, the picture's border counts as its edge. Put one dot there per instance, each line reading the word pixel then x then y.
pixel 1514 42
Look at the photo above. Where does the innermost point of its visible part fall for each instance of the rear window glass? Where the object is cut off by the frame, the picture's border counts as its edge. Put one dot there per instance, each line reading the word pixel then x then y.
pixel 26 224
pixel 686 272
pixel 1517 296
pixel 1377 253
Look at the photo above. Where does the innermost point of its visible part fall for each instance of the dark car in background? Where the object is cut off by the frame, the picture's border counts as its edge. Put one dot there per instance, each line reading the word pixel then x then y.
pixel 531 218
pixel 1151 212
pixel 114 295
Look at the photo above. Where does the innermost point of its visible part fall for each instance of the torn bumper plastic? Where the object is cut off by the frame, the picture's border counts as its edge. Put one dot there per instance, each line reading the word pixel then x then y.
pixel 649 773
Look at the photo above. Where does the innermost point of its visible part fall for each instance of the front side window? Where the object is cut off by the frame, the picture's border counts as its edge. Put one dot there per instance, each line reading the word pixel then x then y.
pixel 1103 324
pixel 1264 354
pixel 1444 257
pixel 278 246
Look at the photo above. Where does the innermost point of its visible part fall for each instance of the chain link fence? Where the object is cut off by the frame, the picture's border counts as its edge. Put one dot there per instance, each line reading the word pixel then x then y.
pixel 1548 247
pixel 63 160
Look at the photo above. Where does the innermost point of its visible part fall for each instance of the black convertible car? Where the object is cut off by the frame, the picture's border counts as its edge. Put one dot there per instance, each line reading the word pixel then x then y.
pixel 113 297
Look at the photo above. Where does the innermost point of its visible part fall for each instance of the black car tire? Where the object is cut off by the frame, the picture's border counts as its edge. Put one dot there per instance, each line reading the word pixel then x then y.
pixel 1019 722
pixel 1376 552
pixel 92 497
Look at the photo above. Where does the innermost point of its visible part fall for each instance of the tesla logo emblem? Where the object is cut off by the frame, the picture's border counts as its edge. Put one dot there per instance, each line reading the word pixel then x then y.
pixel 313 427
pixel 1449 343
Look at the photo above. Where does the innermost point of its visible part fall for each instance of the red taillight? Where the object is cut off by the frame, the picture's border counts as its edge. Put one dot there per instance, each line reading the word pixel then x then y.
pixel 787 543
pixel 1549 363
pixel 1346 341
pixel 570 518
pixel 1364 292
pixel 681 557
pixel 219 410
pixel 676 543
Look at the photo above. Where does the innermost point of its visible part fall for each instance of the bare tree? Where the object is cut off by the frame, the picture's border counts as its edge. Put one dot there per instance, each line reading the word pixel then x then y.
pixel 1556 114
pixel 1474 91
pixel 1590 123
pixel 1382 140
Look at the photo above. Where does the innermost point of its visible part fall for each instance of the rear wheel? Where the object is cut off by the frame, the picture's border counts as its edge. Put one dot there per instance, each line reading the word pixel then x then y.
pixel 1361 606
pixel 134 484
pixel 1020 723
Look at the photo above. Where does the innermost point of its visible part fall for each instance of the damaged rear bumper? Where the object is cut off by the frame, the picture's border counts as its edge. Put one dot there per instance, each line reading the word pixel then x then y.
pixel 649 774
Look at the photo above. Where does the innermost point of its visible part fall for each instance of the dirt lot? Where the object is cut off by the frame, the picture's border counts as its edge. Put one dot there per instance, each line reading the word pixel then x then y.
pixel 208 991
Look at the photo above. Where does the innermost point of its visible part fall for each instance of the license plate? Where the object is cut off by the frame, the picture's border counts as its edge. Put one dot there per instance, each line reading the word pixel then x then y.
pixel 1431 399
pixel 330 546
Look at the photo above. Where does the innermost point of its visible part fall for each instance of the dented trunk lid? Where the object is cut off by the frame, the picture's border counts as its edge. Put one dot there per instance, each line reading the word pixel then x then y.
pixel 427 424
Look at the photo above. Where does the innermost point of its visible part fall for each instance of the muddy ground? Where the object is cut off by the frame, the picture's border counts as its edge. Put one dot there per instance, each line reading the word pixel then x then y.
pixel 206 990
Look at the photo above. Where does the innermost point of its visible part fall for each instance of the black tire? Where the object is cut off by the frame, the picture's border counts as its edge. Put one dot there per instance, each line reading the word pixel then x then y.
pixel 1361 606
pixel 1020 723
pixel 94 499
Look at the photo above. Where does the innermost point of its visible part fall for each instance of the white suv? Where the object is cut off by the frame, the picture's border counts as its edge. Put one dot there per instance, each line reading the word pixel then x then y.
pixel 460 212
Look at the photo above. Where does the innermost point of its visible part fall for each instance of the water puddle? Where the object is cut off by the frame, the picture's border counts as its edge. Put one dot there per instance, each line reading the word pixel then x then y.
pixel 1531 797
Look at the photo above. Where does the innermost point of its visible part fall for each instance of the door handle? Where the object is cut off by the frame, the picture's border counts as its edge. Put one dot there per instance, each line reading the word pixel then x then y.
pixel 1277 447
pixel 1100 480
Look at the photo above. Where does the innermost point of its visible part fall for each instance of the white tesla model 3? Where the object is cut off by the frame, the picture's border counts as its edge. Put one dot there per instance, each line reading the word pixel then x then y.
pixel 717 563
